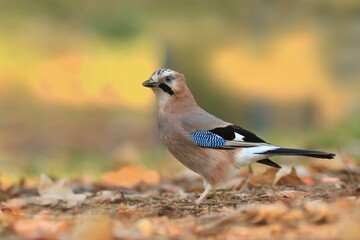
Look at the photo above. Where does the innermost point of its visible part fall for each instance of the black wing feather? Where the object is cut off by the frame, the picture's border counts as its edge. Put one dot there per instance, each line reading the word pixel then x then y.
pixel 228 133
pixel 270 163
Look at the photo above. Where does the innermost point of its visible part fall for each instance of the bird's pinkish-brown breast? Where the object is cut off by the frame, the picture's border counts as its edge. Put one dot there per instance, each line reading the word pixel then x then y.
pixel 212 164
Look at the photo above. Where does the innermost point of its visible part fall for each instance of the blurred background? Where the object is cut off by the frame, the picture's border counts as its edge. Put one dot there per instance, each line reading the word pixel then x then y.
pixel 71 100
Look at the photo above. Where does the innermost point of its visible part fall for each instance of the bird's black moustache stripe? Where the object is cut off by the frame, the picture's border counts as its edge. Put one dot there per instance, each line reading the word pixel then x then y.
pixel 166 89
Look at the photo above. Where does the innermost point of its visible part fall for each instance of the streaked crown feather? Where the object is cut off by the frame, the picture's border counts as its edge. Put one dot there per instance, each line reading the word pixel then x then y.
pixel 162 72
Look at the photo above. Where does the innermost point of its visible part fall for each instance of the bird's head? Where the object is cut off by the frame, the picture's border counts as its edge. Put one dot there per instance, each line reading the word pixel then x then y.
pixel 165 82
pixel 170 89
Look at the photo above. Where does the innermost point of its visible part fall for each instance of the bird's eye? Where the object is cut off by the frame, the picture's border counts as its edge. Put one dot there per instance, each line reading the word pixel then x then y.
pixel 168 79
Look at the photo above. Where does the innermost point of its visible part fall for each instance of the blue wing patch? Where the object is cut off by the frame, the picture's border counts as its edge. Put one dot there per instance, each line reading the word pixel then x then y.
pixel 208 139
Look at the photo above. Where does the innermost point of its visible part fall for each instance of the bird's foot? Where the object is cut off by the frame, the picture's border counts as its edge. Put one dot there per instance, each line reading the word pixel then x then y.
pixel 202 197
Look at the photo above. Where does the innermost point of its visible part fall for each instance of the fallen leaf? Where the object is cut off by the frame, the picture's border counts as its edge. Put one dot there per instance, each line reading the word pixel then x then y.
pixel 291 194
pixel 345 204
pixel 349 226
pixel 131 176
pixel 51 193
pixel 265 213
pixel 14 212
pixel 16 202
pixel 107 196
pixel 145 226
pixel 122 232
pixel 290 179
pixel 128 212
pixel 9 215
pixel 94 228
pixel 235 232
pixel 57 190
pixel 40 227
pixel 308 180
pixel 293 216
pixel 265 178
pixel 212 227
pixel 320 212
pixel 172 229
pixel 331 180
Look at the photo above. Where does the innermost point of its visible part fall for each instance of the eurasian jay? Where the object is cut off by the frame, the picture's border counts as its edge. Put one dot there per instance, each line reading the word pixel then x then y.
pixel 207 145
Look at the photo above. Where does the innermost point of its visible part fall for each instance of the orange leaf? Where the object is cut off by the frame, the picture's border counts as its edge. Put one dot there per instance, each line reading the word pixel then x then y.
pixel 265 178
pixel 128 212
pixel 40 227
pixel 93 228
pixel 290 179
pixel 13 212
pixel 9 215
pixel 308 180
pixel 331 180
pixel 292 194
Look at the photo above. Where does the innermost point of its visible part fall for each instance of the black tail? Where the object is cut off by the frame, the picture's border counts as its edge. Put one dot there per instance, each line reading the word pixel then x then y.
pixel 300 152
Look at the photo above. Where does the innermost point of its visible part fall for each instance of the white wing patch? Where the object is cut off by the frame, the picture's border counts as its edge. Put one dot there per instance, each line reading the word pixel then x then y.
pixel 238 137
pixel 238 141
pixel 249 155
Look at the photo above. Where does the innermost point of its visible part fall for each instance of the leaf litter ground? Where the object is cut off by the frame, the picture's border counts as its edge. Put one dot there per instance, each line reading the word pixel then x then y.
pixel 318 202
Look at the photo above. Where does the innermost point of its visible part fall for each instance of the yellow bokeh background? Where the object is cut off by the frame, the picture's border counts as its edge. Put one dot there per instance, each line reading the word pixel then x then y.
pixel 290 70
pixel 95 73
pixel 71 99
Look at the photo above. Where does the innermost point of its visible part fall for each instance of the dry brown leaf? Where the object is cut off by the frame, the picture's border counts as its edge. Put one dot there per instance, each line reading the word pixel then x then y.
pixel 185 225
pixel 51 193
pixel 265 178
pixel 344 204
pixel 253 232
pixel 16 202
pixel 107 196
pixel 128 212
pixel 145 226
pixel 293 216
pixel 58 191
pixel 308 180
pixel 291 194
pixel 9 215
pixel 331 180
pixel 40 227
pixel 349 226
pixel 320 212
pixel 13 212
pixel 94 228
pixel 131 176
pixel 172 229
pixel 265 213
pixel 291 179
pixel 216 224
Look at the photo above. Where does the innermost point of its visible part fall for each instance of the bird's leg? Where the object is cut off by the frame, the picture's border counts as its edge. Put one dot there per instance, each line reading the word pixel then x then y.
pixel 207 187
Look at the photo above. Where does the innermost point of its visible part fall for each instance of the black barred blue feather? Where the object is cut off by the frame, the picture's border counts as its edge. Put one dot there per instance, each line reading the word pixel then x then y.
pixel 208 139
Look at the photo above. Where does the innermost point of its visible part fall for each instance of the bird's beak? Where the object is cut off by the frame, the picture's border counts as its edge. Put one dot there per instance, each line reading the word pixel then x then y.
pixel 150 83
